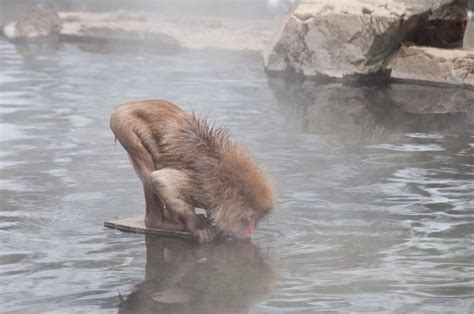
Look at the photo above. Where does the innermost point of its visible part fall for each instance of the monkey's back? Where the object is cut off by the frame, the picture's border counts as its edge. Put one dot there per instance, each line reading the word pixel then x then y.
pixel 173 137
pixel 185 142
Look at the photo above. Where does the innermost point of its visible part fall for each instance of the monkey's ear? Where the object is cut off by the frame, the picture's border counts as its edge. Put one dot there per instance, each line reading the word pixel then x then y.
pixel 230 194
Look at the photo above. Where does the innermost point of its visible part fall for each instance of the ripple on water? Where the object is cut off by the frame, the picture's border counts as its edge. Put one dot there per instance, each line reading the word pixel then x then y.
pixel 10 164
pixel 410 147
pixel 379 228
pixel 10 132
pixel 426 135
pixel 13 185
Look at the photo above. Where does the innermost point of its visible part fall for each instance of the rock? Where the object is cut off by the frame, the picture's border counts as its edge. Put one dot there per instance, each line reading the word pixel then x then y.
pixel 343 38
pixel 435 65
pixel 109 31
pixel 185 32
pixel 469 35
pixel 105 32
pixel 443 27
pixel 107 39
pixel 38 22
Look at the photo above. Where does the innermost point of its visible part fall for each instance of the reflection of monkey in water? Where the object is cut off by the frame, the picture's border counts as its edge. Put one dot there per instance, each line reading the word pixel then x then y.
pixel 181 277
pixel 184 163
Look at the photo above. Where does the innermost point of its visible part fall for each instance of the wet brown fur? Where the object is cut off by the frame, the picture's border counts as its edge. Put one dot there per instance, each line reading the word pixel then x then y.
pixel 213 172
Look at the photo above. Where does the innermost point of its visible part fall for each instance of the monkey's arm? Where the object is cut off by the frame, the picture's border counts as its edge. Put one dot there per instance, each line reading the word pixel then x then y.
pixel 169 184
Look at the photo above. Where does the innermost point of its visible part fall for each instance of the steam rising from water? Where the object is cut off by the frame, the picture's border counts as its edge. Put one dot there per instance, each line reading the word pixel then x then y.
pixel 376 201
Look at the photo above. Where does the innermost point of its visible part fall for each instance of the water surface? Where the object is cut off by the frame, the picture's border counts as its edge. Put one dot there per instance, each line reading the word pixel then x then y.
pixel 375 210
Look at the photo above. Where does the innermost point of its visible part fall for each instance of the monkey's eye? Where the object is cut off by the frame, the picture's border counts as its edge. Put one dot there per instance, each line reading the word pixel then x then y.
pixel 244 221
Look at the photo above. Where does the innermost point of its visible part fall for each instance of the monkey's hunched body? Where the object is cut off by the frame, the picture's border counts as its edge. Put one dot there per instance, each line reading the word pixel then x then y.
pixel 184 163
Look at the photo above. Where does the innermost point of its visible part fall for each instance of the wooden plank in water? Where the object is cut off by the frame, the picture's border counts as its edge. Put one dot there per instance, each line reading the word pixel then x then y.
pixel 137 225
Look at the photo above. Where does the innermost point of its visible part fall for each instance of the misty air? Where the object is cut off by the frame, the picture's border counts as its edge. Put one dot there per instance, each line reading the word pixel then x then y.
pixel 237 156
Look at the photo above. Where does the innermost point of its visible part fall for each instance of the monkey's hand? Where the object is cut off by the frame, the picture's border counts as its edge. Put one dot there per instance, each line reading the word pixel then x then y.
pixel 203 229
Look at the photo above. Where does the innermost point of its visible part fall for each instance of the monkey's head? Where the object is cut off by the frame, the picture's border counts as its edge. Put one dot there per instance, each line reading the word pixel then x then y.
pixel 246 195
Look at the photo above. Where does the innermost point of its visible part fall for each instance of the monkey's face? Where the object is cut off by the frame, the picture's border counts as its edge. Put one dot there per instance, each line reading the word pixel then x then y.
pixel 237 217
pixel 237 221
pixel 245 194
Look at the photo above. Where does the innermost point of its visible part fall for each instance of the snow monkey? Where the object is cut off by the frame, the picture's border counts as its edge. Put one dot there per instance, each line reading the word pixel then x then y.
pixel 184 163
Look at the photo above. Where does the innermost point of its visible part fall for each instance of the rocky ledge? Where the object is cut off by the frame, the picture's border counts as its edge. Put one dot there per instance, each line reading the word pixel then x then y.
pixel 347 39
pixel 433 65
pixel 336 39
pixel 140 29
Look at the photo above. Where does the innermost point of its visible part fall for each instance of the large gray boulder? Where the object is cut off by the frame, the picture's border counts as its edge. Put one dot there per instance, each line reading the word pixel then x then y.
pixel 338 38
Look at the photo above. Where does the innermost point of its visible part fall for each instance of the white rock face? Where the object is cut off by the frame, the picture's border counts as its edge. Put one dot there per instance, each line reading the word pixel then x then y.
pixel 338 38
pixel 187 32
pixel 434 65
pixel 142 29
